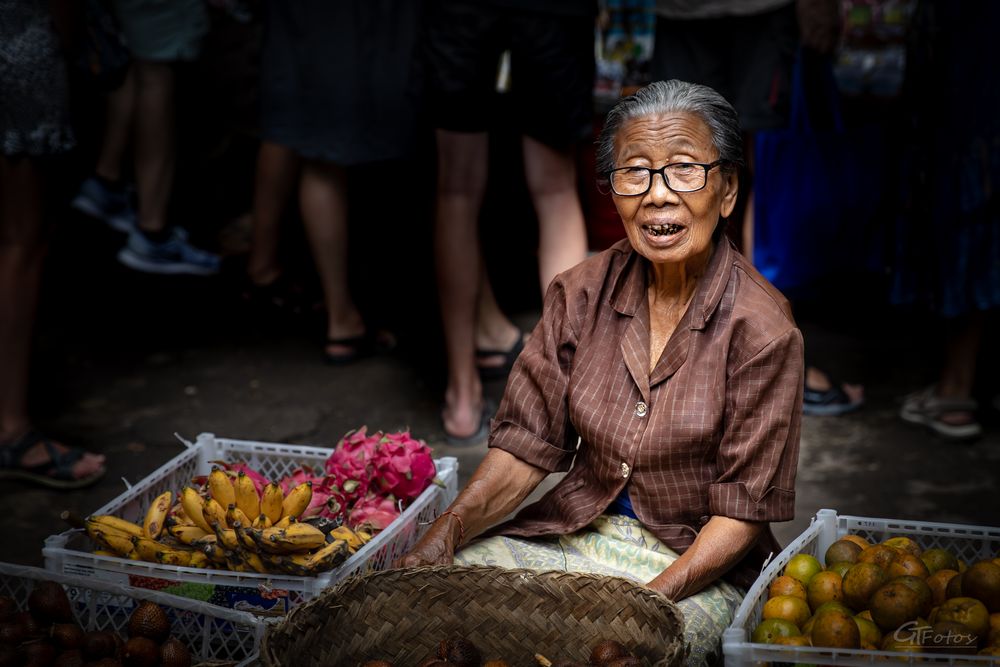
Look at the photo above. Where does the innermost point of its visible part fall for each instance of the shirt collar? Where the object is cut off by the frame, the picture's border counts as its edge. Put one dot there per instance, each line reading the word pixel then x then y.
pixel 629 284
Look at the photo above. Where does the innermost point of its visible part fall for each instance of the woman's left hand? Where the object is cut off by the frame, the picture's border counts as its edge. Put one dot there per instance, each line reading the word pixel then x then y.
pixel 436 547
pixel 720 544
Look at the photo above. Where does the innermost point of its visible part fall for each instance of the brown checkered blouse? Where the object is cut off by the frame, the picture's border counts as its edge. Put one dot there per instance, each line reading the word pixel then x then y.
pixel 713 430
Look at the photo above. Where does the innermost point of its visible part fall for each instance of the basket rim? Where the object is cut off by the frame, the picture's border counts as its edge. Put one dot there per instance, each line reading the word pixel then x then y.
pixel 647 595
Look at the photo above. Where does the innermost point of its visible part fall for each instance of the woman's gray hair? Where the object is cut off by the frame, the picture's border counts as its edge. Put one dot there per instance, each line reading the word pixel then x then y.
pixel 675 96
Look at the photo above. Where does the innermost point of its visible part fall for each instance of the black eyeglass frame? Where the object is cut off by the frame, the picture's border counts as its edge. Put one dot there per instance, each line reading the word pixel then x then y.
pixel 662 171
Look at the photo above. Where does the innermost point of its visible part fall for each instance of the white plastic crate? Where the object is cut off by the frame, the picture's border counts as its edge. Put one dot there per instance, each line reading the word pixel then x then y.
pixel 969 543
pixel 211 633
pixel 267 594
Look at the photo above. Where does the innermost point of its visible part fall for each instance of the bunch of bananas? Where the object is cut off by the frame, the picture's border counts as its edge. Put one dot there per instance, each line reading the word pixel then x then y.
pixel 215 529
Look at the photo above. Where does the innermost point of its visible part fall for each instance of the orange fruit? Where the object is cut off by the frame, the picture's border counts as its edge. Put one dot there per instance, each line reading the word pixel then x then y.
pixel 880 555
pixel 894 604
pixel 861 582
pixel 995 621
pixel 785 585
pixel 840 568
pixel 842 551
pixel 798 640
pixel 802 567
pixel 907 643
pixel 866 614
pixel 787 607
pixel 939 559
pixel 907 564
pixel 950 637
pixel 836 629
pixel 938 583
pixel 982 581
pixel 990 650
pixel 769 630
pixel 857 539
pixel 923 591
pixel 968 611
pixel 904 544
pixel 869 631
pixel 954 587
pixel 824 587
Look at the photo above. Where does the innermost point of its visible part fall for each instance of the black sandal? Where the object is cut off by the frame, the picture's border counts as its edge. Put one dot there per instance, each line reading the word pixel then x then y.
pixel 365 345
pixel 56 473
pixel 509 357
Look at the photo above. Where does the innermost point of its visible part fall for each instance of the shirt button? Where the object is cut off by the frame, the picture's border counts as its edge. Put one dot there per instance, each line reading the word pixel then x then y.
pixel 625 470
pixel 641 409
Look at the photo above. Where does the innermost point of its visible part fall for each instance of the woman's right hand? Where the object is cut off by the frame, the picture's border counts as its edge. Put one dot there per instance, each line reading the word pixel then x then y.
pixel 436 547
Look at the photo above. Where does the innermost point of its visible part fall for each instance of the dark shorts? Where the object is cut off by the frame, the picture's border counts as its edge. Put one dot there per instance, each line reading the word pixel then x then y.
pixel 747 59
pixel 551 69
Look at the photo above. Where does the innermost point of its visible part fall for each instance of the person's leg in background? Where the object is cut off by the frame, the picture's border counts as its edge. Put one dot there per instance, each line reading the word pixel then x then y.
pixel 105 195
pixel 277 173
pixel 22 251
pixel 323 200
pixel 155 144
pixel 551 178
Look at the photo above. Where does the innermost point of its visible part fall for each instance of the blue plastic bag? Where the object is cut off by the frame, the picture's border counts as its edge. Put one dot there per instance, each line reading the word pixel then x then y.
pixel 816 192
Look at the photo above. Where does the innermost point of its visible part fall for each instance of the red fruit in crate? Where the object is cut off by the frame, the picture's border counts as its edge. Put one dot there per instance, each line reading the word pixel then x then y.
pixel 33 628
pixel 48 603
pixel 460 652
pixel 373 513
pixel 67 636
pixel 72 658
pixel 149 621
pixel 37 653
pixel 607 650
pixel 12 634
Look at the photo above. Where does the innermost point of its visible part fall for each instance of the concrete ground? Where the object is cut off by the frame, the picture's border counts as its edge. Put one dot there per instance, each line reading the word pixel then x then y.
pixel 124 361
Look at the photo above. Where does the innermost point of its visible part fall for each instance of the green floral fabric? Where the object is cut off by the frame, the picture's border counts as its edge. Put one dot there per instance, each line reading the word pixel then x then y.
pixel 617 546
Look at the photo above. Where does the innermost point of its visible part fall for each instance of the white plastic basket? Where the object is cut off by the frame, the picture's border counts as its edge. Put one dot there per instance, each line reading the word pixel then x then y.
pixel 211 633
pixel 266 594
pixel 969 543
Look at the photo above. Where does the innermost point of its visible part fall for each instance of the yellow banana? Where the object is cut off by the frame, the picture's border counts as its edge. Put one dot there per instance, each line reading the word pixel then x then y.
pixel 119 525
pixel 261 521
pixel 271 501
pixel 297 537
pixel 294 564
pixel 284 522
pixel 96 531
pixel 246 495
pixel 226 536
pixel 152 525
pixel 214 552
pixel 147 548
pixel 104 552
pixel 213 513
pixel 220 487
pixel 297 500
pixel 354 540
pixel 235 515
pixel 192 503
pixel 205 540
pixel 187 534
pixel 244 537
pixel 198 559
pixel 254 562
pixel 120 544
pixel 174 557
pixel 329 556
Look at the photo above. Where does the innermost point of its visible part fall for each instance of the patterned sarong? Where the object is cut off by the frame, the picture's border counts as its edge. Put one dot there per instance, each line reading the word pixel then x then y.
pixel 617 546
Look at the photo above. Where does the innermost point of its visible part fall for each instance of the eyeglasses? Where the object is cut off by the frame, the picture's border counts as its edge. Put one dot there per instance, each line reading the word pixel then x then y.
pixel 679 177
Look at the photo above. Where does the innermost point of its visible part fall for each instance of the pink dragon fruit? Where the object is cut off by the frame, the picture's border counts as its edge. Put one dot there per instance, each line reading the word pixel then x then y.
pixel 404 466
pixel 354 455
pixel 373 513
pixel 300 476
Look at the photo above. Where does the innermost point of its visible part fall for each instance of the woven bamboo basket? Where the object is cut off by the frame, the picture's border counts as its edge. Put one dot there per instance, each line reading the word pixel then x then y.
pixel 402 615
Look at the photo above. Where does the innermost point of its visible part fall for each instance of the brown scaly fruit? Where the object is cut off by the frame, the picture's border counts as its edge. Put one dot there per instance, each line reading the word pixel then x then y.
pixel 149 621
pixel 48 603
pixel 460 651
pixel 72 658
pixel 606 651
pixel 33 628
pixel 37 653
pixel 173 653
pixel 67 636
pixel 140 652
pixel 12 634
pixel 97 645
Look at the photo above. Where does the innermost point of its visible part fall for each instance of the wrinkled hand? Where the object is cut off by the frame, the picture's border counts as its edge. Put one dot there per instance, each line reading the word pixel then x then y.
pixel 819 24
pixel 436 547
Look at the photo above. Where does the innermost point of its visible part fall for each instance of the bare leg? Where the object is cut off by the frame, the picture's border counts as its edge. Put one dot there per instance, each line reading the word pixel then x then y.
pixel 747 224
pixel 22 250
pixel 959 372
pixel 155 153
pixel 277 167
pixel 551 177
pixel 462 169
pixel 117 129
pixel 323 199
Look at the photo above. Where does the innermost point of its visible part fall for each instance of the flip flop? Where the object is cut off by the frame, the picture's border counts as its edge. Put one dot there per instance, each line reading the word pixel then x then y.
pixel 365 345
pixel 56 473
pixel 830 402
pixel 509 357
pixel 481 433
pixel 924 408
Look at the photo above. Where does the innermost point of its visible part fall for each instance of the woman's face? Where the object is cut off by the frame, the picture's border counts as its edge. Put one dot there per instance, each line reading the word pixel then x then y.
pixel 654 141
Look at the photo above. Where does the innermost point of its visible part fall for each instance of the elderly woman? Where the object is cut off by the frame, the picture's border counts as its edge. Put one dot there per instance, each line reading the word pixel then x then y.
pixel 665 376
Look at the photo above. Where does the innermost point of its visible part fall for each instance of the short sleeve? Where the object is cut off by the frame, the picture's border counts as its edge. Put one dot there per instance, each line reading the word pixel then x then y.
pixel 533 420
pixel 758 454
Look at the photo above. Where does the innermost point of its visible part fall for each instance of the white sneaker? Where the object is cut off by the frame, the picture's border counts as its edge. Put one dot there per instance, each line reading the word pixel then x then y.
pixel 173 256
